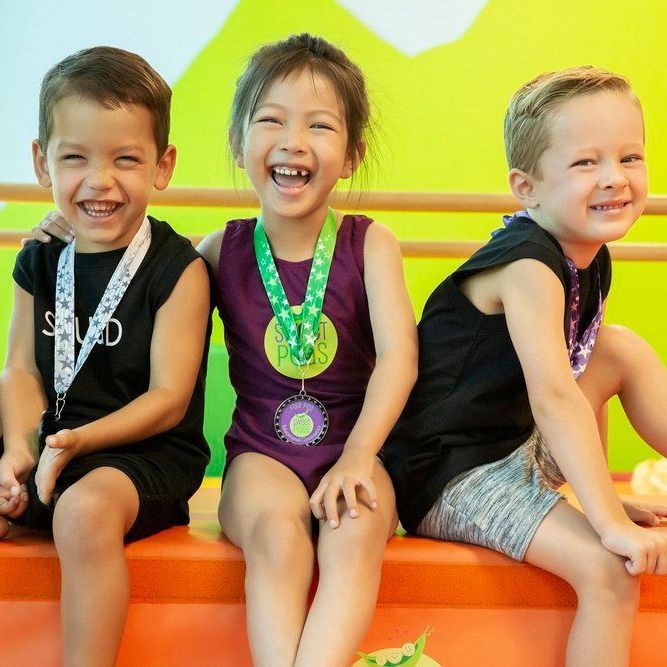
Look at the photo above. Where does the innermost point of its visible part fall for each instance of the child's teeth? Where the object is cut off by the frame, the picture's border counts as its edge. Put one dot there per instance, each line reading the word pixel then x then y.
pixel 290 172
pixel 99 210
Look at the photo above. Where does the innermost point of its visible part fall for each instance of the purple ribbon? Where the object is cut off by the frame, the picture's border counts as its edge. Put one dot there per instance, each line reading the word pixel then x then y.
pixel 579 349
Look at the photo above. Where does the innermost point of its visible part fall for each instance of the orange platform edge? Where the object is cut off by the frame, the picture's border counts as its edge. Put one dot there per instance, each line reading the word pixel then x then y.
pixel 187 602
pixel 197 565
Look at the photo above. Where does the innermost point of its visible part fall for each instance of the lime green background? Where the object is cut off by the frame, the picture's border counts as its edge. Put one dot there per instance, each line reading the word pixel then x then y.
pixel 438 128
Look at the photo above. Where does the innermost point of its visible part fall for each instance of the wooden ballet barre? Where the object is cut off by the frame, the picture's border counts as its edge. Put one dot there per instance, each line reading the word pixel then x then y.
pixel 449 202
pixel 647 252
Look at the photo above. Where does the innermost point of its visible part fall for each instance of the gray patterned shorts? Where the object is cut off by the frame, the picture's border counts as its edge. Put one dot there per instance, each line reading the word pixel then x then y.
pixel 498 505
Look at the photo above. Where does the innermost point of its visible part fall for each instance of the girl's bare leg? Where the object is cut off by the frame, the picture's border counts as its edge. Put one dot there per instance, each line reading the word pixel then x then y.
pixel 350 561
pixel 264 510
pixel 90 520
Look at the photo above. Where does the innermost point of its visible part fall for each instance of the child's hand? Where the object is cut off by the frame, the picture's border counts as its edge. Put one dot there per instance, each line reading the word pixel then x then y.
pixel 645 513
pixel 344 477
pixel 55 224
pixel 61 448
pixel 645 549
pixel 15 466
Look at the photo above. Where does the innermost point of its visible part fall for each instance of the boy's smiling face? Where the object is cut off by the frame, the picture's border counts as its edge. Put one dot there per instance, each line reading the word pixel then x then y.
pixel 102 165
pixel 592 185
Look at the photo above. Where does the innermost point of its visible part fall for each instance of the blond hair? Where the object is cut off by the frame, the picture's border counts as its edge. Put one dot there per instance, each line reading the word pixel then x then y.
pixel 527 127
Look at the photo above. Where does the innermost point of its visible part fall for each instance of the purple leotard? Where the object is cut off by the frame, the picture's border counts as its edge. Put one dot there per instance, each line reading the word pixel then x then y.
pixel 260 388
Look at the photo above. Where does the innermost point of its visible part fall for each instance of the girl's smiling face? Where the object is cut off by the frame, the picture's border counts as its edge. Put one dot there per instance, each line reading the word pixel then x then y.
pixel 294 148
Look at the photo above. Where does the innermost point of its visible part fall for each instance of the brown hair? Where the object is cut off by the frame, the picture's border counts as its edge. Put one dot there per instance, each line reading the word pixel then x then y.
pixel 293 55
pixel 111 77
pixel 527 122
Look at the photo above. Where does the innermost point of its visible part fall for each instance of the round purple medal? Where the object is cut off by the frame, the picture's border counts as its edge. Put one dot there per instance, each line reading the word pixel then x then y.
pixel 301 420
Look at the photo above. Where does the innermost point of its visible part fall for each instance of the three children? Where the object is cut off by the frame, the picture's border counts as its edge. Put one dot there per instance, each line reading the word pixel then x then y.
pixel 515 366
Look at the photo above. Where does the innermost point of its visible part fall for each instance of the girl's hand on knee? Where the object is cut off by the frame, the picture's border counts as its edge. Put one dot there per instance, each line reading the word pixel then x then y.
pixel 344 477
pixel 647 514
pixel 645 549
pixel 55 224
pixel 61 448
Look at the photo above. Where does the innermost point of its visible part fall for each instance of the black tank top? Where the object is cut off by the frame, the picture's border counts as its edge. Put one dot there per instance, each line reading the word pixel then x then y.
pixel 470 403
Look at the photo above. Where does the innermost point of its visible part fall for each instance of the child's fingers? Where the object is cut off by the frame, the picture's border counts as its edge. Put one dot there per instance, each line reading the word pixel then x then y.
pixel 644 515
pixel 331 504
pixel 8 505
pixel 316 506
pixel 45 489
pixel 651 560
pixel 633 567
pixel 350 494
pixel 661 565
pixel 55 223
pixel 21 506
pixel 45 478
pixel 38 234
pixel 60 440
pixel 369 485
pixel 9 482
pixel 658 510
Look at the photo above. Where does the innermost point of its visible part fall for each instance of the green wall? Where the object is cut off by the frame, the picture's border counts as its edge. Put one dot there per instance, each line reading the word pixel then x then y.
pixel 438 118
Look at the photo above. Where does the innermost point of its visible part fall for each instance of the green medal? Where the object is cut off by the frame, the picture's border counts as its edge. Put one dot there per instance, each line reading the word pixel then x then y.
pixel 300 419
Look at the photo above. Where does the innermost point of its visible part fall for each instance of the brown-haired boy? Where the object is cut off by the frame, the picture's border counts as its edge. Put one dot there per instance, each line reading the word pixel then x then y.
pixel 107 335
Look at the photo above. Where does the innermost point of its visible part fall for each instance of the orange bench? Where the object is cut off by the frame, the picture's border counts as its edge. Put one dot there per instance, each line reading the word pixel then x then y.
pixel 187 602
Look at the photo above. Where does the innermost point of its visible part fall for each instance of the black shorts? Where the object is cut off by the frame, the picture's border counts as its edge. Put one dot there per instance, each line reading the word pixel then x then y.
pixel 165 480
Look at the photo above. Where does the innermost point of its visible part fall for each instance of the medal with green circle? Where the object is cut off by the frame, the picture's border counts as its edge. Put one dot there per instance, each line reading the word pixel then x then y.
pixel 300 419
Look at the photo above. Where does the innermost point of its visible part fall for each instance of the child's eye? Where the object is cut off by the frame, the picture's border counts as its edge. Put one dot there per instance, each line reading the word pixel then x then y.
pixel 321 126
pixel 586 162
pixel 128 159
pixel 267 119
pixel 72 156
pixel 632 158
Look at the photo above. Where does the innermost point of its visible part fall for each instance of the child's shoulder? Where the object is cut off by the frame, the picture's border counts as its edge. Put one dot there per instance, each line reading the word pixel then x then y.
pixel 170 252
pixel 239 230
pixel 522 239
pixel 163 232
pixel 36 257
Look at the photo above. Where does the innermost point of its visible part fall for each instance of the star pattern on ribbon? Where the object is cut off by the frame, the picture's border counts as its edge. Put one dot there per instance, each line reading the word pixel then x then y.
pixel 300 338
pixel 65 365
pixel 580 350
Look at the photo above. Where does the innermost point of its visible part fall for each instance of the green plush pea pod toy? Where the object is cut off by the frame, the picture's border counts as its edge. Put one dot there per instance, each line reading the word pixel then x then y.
pixel 406 656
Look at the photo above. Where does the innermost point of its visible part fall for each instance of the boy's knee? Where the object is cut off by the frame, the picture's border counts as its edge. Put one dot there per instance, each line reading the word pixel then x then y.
pixel 618 343
pixel 84 521
pixel 279 541
pixel 606 577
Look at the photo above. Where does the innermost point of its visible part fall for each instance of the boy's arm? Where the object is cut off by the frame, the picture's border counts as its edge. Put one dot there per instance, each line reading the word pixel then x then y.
pixel 533 301
pixel 22 402
pixel 395 372
pixel 177 346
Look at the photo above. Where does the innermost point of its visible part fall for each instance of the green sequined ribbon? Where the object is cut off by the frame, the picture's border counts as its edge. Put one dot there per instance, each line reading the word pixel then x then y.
pixel 300 339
